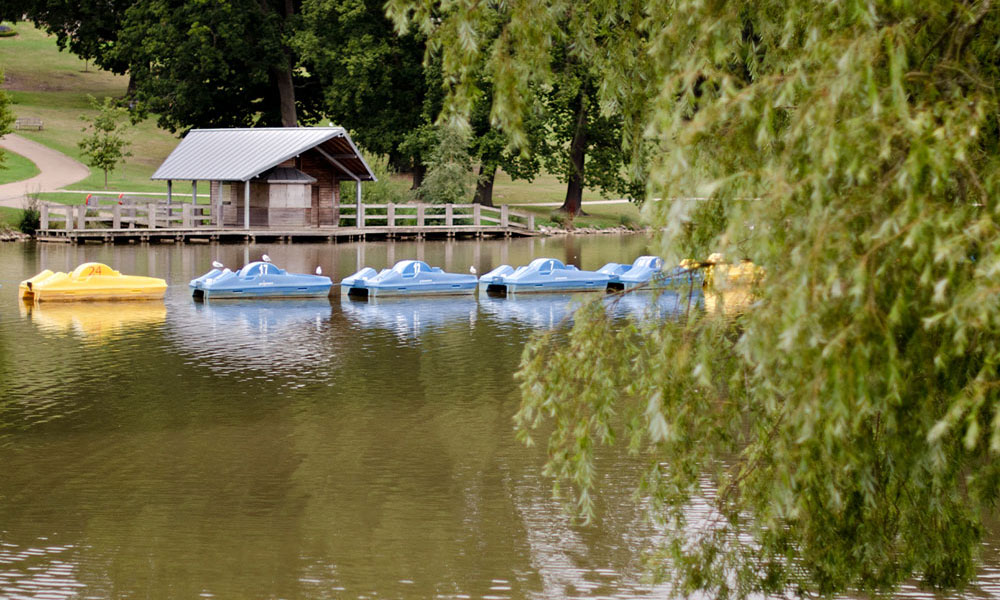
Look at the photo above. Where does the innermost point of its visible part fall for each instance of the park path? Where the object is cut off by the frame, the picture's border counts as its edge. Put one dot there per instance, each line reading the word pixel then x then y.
pixel 55 170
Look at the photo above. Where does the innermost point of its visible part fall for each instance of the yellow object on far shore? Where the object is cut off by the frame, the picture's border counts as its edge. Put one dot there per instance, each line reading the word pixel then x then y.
pixel 91 281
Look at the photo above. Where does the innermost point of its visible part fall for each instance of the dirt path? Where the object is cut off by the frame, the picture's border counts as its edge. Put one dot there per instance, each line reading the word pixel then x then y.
pixel 56 170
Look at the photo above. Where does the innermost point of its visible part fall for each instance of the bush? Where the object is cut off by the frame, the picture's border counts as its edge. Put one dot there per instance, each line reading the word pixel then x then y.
pixel 386 190
pixel 31 215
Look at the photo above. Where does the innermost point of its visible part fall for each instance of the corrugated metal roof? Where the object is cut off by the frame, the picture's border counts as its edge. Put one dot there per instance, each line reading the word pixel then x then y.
pixel 242 154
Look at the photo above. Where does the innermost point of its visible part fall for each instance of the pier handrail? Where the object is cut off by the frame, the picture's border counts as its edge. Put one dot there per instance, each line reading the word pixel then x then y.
pixel 134 212
pixel 437 215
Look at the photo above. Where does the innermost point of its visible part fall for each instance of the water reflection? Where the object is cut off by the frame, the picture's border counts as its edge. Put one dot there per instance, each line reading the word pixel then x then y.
pixel 275 336
pixel 410 317
pixel 538 311
pixel 656 304
pixel 299 449
pixel 94 321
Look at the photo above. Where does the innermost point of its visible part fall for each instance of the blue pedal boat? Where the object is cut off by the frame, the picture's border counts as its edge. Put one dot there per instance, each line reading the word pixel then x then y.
pixel 543 275
pixel 406 278
pixel 259 279
pixel 649 270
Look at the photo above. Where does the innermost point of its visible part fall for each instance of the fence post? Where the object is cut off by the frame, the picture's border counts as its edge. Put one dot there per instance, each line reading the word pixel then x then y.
pixel 186 215
pixel 44 218
pixel 81 216
pixel 531 222
pixel 449 215
pixel 504 215
pixel 390 215
pixel 151 215
pixel 116 216
pixel 420 215
pixel 359 220
pixel 476 214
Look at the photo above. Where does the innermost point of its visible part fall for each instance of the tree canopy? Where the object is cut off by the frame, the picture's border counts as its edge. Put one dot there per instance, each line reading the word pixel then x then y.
pixel 216 64
pixel 844 428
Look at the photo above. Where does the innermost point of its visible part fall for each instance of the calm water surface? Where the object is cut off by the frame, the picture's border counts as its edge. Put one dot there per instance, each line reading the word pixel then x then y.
pixel 302 449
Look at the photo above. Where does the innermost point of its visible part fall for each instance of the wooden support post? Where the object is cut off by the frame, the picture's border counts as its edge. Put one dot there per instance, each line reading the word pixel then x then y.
pixel 151 215
pixel 420 215
pixel 170 191
pixel 44 218
pixel 476 210
pixel 504 215
pixel 81 216
pixel 186 211
pixel 246 204
pixel 531 222
pixel 116 216
pixel 390 215
pixel 449 215
pixel 360 219
pixel 194 192
pixel 357 202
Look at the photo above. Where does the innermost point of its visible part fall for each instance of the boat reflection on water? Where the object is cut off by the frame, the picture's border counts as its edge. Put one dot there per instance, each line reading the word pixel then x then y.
pixel 537 311
pixel 94 321
pixel 410 317
pixel 271 335
pixel 554 310
pixel 658 304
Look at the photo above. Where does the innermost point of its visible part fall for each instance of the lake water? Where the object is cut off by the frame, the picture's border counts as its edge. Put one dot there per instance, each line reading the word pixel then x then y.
pixel 300 449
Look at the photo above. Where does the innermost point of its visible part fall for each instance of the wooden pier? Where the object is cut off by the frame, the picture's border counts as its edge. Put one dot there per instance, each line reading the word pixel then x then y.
pixel 132 220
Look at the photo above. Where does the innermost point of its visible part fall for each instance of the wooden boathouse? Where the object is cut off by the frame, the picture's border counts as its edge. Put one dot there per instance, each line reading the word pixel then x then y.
pixel 269 184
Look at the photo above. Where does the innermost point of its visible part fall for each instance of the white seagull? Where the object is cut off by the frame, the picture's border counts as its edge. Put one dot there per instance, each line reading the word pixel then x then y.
pixel 472 270
pixel 265 258
pixel 319 270
pixel 216 264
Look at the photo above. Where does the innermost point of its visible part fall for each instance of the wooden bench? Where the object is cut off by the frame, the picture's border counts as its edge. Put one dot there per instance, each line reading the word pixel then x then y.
pixel 28 123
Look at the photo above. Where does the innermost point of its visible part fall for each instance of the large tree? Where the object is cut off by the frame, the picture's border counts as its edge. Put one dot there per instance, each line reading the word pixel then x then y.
pixel 216 64
pixel 547 71
pixel 844 428
pixel 373 80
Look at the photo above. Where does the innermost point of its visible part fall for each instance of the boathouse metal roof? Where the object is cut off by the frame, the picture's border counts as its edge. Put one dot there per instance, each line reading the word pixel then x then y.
pixel 243 154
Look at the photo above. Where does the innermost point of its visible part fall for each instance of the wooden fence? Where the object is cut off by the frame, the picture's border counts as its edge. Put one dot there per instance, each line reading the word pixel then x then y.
pixel 136 213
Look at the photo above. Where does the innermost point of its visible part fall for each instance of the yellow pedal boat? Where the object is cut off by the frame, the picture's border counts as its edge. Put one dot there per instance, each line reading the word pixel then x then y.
pixel 91 281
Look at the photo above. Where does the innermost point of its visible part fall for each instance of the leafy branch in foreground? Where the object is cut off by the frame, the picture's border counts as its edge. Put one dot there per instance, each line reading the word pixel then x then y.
pixel 845 429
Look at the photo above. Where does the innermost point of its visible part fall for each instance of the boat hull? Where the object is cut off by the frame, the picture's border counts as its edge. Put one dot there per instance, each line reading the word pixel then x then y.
pixel 262 293
pixel 260 281
pixel 91 281
pixel 407 278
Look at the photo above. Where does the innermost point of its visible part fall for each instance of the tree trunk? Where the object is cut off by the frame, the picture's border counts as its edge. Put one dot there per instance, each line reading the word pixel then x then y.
pixel 573 205
pixel 286 93
pixel 484 185
pixel 418 172
pixel 133 86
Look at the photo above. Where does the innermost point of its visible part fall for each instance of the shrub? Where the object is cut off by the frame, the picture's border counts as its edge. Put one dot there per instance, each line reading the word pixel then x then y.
pixel 31 215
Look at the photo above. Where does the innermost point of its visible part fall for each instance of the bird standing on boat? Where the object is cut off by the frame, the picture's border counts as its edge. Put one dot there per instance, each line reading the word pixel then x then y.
pixel 319 270
pixel 217 264
pixel 265 258
pixel 472 270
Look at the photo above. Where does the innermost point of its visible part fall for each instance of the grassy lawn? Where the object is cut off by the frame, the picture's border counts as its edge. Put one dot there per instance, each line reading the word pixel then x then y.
pixel 16 168
pixel 544 188
pixel 9 217
pixel 53 86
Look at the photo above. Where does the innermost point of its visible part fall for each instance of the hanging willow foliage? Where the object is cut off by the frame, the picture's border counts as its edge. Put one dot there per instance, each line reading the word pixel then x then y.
pixel 845 427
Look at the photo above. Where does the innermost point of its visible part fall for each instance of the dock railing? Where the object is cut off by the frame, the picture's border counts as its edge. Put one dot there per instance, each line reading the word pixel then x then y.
pixel 435 215
pixel 117 213
pixel 125 212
